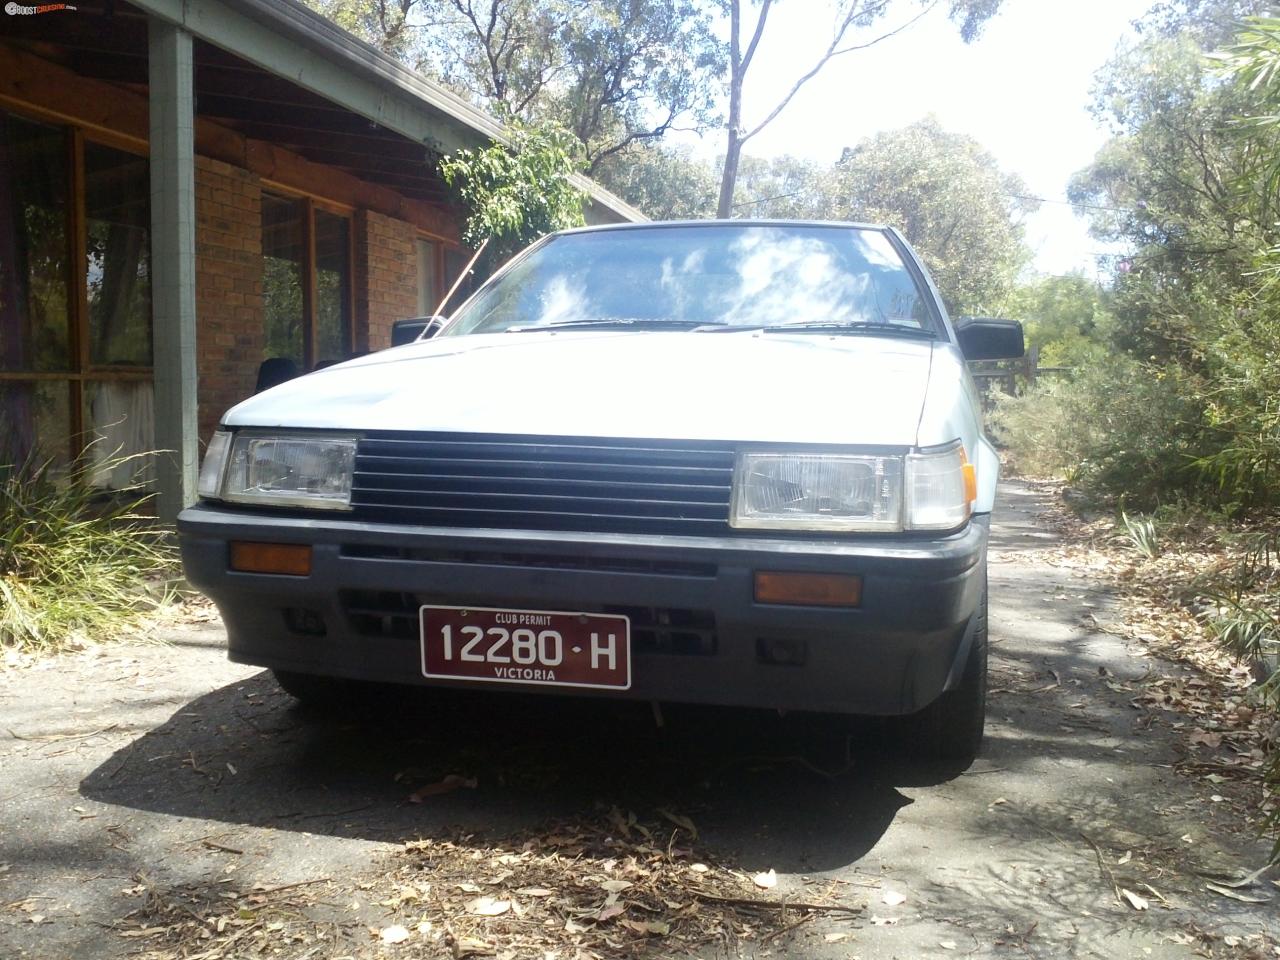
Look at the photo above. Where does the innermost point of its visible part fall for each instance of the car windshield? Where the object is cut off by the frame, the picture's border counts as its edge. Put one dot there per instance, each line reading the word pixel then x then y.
pixel 731 275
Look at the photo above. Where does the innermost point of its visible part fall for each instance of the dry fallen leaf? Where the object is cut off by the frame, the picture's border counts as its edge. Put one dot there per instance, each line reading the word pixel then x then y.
pixel 766 881
pixel 654 928
pixel 836 937
pixel 534 892
pixel 883 921
pixel 488 907
pixel 699 867
pixel 446 785
pixel 680 821
pixel 892 898
pixel 616 886
pixel 1234 895
pixel 1135 901
pixel 947 944
pixel 394 934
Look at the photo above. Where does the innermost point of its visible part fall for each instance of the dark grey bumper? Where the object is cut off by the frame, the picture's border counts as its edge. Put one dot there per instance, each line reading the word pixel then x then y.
pixel 894 654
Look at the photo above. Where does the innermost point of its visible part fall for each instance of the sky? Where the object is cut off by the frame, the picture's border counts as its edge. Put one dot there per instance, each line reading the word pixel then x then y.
pixel 1021 90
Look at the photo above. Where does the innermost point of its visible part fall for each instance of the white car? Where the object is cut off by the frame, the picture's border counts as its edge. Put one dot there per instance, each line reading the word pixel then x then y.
pixel 725 462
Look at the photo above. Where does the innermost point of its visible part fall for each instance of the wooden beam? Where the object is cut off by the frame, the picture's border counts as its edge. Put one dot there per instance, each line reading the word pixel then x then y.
pixel 63 97
pixel 119 117
pixel 222 106
pixel 287 169
pixel 361 144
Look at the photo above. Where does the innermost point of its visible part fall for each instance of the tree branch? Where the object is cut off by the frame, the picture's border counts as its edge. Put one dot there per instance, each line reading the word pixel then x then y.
pixel 834 50
pixel 755 37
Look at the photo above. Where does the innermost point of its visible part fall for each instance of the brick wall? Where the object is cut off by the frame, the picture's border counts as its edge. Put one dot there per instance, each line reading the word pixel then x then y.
pixel 386 277
pixel 229 322
pixel 229 312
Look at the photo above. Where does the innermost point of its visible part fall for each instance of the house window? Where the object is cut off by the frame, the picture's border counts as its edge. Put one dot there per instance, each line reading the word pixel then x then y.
pixel 332 339
pixel 455 262
pixel 306 281
pixel 428 290
pixel 75 299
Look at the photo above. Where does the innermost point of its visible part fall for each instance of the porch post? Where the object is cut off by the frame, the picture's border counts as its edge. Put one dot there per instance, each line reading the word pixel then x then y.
pixel 173 265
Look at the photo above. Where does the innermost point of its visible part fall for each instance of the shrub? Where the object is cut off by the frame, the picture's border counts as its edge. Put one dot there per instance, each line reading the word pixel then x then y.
pixel 1120 430
pixel 75 563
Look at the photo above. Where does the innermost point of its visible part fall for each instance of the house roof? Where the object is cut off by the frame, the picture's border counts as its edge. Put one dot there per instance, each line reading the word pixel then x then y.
pixel 288 39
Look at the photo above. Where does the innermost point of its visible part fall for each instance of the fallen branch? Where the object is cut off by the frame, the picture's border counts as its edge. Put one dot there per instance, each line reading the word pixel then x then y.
pixel 775 904
pixel 217 846
pixel 1224 769
pixel 286 886
pixel 787 929
pixel 1104 870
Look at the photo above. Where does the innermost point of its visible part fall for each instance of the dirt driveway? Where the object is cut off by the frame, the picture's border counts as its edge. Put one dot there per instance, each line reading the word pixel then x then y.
pixel 136 777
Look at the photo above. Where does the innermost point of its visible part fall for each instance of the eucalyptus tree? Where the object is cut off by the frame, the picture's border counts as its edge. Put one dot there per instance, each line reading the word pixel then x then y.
pixel 952 202
pixel 854 25
pixel 612 72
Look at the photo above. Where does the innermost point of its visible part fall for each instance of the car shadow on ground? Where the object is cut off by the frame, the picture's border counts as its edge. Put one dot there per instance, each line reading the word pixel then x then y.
pixel 801 793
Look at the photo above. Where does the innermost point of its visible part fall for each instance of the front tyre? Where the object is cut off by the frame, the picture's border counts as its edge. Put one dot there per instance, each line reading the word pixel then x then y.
pixel 949 730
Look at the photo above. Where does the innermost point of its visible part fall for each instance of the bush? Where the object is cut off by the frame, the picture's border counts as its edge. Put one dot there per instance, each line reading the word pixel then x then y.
pixel 1120 430
pixel 1243 403
pixel 75 563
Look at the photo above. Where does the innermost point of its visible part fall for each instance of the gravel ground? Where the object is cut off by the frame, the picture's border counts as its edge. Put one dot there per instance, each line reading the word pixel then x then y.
pixel 130 770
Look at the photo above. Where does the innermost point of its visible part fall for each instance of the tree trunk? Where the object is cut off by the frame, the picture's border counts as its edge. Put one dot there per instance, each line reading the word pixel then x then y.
pixel 733 148
pixel 729 176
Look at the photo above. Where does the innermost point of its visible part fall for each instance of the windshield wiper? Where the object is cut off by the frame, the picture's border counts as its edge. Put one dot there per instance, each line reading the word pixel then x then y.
pixel 857 328
pixel 626 323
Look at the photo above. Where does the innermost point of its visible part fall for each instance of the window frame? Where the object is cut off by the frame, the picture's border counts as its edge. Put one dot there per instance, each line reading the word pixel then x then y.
pixel 310 204
pixel 81 371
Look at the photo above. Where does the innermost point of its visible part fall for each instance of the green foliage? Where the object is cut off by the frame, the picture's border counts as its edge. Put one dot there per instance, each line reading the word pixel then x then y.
pixel 665 183
pixel 1119 428
pixel 517 193
pixel 785 187
pixel 383 23
pixel 1065 318
pixel 73 564
pixel 950 200
pixel 1177 185
pixel 1142 533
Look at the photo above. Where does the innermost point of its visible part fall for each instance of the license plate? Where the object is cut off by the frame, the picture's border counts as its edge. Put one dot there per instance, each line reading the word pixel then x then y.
pixel 539 647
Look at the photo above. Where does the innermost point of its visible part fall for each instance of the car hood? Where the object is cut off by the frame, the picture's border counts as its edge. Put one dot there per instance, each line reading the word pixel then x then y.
pixel 770 387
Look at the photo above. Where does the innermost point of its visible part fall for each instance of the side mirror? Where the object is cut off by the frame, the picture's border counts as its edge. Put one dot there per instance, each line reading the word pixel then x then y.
pixel 982 338
pixel 415 328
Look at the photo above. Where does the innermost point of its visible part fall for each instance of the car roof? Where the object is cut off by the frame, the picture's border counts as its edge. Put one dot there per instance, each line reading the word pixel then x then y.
pixel 701 224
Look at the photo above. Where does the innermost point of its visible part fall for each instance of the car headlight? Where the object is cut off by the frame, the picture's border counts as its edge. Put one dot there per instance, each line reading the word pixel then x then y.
pixel 929 490
pixel 281 471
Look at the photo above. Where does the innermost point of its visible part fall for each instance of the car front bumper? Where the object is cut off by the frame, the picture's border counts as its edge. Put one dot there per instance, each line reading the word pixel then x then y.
pixel 355 614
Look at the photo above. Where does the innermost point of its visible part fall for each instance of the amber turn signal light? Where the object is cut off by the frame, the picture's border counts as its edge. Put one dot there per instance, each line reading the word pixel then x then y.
pixel 289 559
pixel 810 589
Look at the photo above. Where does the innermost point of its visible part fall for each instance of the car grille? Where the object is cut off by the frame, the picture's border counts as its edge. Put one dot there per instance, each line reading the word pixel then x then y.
pixel 657 630
pixel 511 558
pixel 544 483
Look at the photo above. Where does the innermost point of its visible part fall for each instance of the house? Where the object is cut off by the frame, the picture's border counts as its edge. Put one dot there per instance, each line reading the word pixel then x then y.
pixel 190 187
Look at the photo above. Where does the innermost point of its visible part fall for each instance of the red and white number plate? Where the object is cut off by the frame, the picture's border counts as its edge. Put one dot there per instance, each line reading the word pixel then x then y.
pixel 541 647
